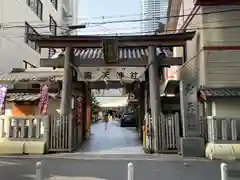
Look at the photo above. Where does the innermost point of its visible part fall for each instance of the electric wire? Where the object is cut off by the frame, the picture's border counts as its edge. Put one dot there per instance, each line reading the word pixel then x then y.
pixel 96 17
pixel 10 36
pixel 140 32
pixel 131 20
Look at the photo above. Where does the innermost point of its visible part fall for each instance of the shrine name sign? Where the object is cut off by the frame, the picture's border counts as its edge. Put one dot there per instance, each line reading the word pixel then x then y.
pixel 111 73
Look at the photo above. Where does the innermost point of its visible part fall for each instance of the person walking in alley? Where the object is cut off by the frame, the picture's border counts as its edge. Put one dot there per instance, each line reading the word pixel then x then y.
pixel 106 120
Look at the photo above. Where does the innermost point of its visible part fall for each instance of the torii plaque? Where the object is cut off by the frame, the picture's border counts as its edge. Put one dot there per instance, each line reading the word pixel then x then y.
pixel 110 50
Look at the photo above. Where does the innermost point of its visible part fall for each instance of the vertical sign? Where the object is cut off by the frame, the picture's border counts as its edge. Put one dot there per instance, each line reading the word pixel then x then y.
pixel 110 50
pixel 3 91
pixel 43 103
pixel 78 109
pixel 189 109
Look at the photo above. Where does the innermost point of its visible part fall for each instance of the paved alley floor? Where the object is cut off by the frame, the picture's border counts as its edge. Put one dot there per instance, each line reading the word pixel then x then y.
pixel 113 140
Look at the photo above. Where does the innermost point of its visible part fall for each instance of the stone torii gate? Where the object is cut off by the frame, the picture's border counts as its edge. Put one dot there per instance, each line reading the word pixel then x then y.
pixel 151 62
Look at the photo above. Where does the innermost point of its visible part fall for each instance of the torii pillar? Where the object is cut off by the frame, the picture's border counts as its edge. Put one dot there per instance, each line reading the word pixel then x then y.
pixel 88 109
pixel 154 95
pixel 66 98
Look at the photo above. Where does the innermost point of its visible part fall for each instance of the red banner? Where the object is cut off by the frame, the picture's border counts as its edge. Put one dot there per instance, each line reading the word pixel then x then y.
pixel 43 103
pixel 78 109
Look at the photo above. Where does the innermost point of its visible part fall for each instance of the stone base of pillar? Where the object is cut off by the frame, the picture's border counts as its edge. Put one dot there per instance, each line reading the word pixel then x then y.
pixel 192 147
pixel 223 151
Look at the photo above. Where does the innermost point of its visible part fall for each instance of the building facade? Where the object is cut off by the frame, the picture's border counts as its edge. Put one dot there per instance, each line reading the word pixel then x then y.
pixel 19 18
pixel 211 58
pixel 211 64
pixel 154 12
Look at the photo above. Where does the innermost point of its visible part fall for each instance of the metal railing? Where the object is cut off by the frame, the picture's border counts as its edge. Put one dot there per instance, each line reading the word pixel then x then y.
pixel 223 128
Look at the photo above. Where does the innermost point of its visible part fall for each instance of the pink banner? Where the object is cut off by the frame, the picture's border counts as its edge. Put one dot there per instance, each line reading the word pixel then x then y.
pixel 43 103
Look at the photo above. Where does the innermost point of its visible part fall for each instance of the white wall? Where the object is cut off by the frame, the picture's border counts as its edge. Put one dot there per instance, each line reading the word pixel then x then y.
pixel 195 63
pixel 222 29
pixel 12 46
pixel 227 107
pixel 215 67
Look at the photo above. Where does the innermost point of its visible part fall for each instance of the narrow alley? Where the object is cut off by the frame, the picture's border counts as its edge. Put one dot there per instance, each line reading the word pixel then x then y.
pixel 114 140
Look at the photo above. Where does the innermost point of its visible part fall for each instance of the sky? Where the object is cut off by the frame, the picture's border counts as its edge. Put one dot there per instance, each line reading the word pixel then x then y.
pixel 95 11
pixel 99 11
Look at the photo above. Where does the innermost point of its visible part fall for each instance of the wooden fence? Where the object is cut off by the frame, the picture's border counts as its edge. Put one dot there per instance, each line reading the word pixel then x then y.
pixel 169 134
pixel 64 134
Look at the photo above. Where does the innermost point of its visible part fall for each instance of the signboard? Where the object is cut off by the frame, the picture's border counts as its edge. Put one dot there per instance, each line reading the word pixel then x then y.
pixel 110 50
pixel 43 103
pixel 111 73
pixel 189 109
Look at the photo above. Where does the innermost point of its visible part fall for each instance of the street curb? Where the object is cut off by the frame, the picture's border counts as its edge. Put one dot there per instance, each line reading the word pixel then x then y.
pixel 112 157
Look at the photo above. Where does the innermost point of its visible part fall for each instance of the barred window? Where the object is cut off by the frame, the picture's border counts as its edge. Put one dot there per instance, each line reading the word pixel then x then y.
pixel 29 30
pixel 52 25
pixel 36 6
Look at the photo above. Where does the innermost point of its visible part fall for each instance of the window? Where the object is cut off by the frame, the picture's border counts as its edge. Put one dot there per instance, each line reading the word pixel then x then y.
pixel 53 30
pixel 30 30
pixel 36 6
pixel 55 3
pixel 52 26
